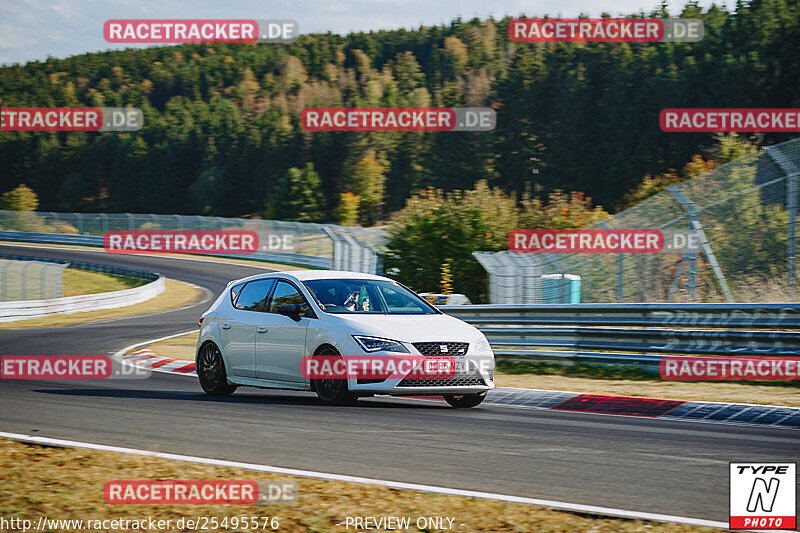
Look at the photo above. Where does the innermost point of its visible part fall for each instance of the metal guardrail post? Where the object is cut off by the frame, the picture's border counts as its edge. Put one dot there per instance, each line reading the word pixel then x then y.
pixel 130 221
pixel 4 273
pixel 23 285
pixel 791 206
pixel 42 283
pixel 58 289
pixel 692 276
pixel 694 223
pixel 339 248
pixel 620 295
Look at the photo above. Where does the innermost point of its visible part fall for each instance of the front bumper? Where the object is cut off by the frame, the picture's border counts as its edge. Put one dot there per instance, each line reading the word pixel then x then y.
pixel 479 378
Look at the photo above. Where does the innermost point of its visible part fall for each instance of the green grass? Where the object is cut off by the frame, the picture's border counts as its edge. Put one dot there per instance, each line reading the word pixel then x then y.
pixel 76 282
pixel 23 280
pixel 582 370
pixel 607 371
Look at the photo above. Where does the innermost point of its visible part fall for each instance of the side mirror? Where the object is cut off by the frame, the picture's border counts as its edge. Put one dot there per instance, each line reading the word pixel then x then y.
pixel 290 310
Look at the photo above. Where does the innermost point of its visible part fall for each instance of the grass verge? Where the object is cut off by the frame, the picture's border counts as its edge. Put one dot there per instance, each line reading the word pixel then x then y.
pixel 65 483
pixel 177 294
pixel 76 282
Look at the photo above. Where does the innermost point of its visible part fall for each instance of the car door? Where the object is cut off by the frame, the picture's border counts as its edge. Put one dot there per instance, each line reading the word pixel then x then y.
pixel 239 329
pixel 281 341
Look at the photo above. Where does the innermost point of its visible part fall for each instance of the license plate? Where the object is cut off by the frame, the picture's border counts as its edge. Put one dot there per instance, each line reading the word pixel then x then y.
pixel 447 366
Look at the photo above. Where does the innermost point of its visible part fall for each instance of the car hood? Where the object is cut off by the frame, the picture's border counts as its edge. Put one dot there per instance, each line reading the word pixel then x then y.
pixel 412 328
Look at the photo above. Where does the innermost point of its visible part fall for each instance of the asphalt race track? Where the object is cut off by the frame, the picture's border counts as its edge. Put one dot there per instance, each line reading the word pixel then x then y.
pixel 648 465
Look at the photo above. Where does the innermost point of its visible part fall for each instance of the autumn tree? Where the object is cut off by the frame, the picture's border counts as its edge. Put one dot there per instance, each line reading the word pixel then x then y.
pixel 21 198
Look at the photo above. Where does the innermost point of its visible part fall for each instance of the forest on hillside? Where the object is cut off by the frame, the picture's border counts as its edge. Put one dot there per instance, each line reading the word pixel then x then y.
pixel 222 134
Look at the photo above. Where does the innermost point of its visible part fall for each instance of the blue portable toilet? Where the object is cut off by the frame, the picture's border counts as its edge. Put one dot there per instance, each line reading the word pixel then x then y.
pixel 561 289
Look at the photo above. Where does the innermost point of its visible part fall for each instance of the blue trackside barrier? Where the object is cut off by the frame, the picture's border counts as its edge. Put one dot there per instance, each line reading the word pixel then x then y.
pixel 635 334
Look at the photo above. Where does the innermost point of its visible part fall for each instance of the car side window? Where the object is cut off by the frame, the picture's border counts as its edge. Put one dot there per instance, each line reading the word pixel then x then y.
pixel 253 296
pixel 286 293
pixel 235 290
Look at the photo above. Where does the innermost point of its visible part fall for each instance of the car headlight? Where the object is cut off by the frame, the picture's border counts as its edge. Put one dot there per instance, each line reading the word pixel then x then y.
pixel 483 347
pixel 377 344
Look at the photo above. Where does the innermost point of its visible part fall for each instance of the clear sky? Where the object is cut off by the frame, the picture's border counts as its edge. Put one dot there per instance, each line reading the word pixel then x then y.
pixel 34 29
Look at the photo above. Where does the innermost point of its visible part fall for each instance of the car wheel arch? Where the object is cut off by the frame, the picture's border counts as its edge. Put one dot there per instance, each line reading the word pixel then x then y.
pixel 325 346
pixel 321 348
pixel 221 353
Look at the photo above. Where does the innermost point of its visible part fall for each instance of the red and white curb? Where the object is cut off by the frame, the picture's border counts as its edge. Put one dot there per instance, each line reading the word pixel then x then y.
pixel 143 357
pixel 696 411
pixel 147 359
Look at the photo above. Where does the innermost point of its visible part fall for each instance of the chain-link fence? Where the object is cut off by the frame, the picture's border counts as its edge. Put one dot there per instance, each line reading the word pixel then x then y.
pixel 746 211
pixel 316 245
pixel 30 280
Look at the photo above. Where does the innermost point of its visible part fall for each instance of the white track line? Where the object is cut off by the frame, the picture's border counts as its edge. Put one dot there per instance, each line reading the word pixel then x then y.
pixel 153 341
pixel 591 509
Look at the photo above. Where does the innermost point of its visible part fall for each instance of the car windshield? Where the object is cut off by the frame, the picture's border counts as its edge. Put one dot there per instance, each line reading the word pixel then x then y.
pixel 367 296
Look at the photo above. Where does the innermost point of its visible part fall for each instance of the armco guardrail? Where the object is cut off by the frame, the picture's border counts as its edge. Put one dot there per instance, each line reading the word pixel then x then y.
pixel 327 246
pixel 95 267
pixel 633 333
pixel 20 310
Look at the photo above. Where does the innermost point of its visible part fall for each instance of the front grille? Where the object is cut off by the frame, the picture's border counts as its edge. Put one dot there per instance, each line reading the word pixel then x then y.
pixel 465 380
pixel 435 348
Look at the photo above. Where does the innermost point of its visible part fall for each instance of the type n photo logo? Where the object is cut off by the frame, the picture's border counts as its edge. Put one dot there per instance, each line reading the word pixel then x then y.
pixel 762 495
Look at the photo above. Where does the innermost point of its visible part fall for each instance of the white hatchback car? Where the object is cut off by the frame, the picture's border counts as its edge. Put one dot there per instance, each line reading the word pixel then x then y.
pixel 260 329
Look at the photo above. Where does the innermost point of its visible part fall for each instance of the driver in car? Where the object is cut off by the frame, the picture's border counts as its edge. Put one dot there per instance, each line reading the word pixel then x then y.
pixel 352 301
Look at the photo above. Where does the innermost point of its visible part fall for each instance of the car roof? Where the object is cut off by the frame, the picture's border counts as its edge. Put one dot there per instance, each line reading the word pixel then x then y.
pixel 307 275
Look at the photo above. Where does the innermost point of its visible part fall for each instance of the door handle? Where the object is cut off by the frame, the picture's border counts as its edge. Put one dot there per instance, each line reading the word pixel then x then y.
pixel 226 326
pixel 262 330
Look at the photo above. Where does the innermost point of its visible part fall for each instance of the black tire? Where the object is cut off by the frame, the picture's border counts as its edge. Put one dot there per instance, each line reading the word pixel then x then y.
pixel 211 371
pixel 465 400
pixel 332 391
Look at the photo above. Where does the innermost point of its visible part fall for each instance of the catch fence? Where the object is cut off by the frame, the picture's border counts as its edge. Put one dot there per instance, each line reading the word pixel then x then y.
pixel 746 213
